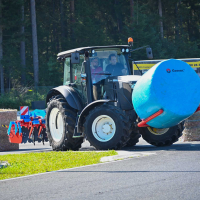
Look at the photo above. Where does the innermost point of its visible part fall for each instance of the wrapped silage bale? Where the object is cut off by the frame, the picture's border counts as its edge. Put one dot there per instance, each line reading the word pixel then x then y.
pixel 171 85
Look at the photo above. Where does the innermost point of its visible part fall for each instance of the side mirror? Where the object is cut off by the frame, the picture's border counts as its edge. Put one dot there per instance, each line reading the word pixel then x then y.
pixel 149 53
pixel 75 58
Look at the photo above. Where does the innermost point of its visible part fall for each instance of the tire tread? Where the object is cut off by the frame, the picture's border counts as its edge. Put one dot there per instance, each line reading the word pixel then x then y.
pixel 69 143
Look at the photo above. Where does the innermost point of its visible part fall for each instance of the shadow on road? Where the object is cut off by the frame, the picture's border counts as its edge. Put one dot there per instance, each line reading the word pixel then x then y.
pixel 179 147
pixel 142 146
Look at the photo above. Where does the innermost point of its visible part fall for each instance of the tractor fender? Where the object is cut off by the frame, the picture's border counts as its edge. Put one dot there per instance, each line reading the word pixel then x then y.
pixel 86 110
pixel 69 94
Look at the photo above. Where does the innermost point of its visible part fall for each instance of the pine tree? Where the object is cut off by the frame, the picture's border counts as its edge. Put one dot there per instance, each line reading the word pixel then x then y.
pixel 35 44
pixel 22 48
pixel 1 50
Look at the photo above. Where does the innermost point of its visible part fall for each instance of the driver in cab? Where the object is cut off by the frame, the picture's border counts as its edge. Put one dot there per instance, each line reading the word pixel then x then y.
pixel 95 69
pixel 96 77
pixel 115 68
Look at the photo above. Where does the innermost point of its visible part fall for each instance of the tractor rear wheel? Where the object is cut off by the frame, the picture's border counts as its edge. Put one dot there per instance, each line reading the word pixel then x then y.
pixel 134 139
pixel 107 127
pixel 161 137
pixel 60 125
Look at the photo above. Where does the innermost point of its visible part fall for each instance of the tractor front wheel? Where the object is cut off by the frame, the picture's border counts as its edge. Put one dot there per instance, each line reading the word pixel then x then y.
pixel 60 124
pixel 161 137
pixel 106 127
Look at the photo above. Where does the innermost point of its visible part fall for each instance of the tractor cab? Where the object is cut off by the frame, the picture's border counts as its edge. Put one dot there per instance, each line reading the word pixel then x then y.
pixel 86 69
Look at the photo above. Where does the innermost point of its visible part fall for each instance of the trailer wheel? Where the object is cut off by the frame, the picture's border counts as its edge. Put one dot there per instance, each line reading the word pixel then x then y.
pixel 107 127
pixel 60 124
pixel 161 137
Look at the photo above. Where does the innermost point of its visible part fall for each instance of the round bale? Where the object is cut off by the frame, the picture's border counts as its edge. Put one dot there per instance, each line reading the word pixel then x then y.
pixel 171 85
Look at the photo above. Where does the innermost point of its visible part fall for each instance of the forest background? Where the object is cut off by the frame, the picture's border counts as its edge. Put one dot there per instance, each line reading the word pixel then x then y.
pixel 33 32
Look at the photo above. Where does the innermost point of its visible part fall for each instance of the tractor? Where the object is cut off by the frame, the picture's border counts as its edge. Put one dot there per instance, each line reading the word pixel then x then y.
pixel 95 102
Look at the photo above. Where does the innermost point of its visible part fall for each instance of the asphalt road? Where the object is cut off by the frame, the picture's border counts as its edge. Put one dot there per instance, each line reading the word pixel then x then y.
pixel 39 147
pixel 162 173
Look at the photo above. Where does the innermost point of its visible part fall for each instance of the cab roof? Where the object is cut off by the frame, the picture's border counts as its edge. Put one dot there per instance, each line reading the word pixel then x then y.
pixel 82 50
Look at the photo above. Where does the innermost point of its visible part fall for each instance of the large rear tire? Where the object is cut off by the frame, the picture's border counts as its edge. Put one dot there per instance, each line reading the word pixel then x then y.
pixel 161 137
pixel 134 139
pixel 106 127
pixel 60 124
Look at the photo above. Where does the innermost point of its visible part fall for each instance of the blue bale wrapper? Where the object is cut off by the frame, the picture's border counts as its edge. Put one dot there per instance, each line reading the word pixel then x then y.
pixel 171 85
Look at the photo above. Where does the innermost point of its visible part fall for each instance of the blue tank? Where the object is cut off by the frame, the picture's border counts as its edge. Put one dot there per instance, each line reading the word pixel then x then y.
pixel 171 85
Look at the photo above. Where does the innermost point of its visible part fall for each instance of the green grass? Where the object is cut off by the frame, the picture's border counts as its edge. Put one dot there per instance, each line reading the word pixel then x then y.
pixel 34 163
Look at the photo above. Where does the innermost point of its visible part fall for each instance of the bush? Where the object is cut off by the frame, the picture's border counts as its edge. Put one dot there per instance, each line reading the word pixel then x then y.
pixel 23 96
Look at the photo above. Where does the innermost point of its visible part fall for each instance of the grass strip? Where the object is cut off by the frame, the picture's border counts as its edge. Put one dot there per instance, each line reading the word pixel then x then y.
pixel 34 163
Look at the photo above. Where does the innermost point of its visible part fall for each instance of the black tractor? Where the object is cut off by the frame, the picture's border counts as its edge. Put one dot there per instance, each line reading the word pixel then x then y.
pixel 95 102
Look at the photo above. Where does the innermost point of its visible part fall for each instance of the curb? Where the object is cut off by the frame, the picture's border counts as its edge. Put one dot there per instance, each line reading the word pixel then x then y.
pixel 125 155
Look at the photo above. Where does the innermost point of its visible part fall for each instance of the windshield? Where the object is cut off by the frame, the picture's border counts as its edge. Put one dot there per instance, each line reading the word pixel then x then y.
pixel 109 62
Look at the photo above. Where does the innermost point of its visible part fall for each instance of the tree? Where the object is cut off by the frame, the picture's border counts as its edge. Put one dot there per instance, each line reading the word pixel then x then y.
pixel 72 21
pixel 22 48
pixel 62 19
pixel 35 44
pixel 69 24
pixel 132 10
pixel 1 50
pixel 160 14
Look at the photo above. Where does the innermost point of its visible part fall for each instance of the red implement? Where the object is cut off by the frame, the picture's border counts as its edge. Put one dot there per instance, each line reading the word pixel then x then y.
pixel 143 122
pixel 198 109
pixel 31 127
pixel 15 138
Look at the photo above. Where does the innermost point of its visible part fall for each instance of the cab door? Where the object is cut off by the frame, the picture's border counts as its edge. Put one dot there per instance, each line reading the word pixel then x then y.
pixel 72 77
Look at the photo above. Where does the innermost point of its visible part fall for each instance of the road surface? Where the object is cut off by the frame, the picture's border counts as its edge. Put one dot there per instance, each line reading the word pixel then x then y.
pixel 167 173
